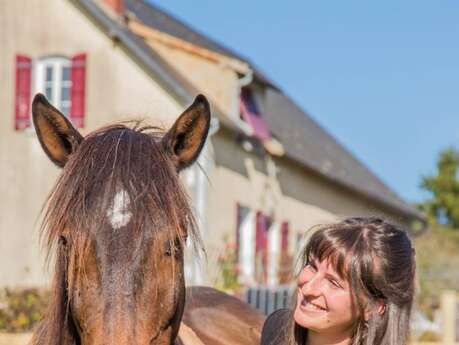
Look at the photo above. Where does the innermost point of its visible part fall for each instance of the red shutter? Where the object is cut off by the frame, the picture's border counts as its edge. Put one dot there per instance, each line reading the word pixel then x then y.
pixel 284 237
pixel 261 234
pixel 22 97
pixel 261 246
pixel 78 75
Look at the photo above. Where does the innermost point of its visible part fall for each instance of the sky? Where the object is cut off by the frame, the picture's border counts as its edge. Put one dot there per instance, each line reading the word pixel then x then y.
pixel 381 77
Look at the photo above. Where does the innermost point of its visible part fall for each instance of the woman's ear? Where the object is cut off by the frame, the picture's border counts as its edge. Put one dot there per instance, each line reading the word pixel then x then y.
pixel 379 307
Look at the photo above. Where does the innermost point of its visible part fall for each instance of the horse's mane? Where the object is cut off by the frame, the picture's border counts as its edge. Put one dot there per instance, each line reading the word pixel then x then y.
pixel 109 159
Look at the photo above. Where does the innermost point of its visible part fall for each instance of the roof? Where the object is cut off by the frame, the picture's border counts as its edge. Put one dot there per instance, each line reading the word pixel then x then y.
pixel 303 138
pixel 307 142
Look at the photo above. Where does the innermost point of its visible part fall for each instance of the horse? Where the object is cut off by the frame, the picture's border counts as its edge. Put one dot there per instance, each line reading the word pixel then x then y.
pixel 116 224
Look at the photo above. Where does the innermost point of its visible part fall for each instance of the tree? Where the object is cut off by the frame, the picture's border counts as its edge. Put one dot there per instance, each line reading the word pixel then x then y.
pixel 444 187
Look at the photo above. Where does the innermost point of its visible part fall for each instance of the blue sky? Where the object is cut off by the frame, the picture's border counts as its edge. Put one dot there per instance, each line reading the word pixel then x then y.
pixel 381 77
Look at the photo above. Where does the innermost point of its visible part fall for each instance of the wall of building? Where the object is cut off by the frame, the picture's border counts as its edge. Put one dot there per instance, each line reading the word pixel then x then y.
pixel 217 81
pixel 293 194
pixel 116 89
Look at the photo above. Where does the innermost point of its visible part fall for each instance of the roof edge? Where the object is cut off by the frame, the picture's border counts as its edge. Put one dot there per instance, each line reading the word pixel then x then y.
pixel 177 85
pixel 184 92
pixel 170 79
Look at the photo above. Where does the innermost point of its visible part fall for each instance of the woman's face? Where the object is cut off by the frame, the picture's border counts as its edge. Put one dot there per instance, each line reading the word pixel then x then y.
pixel 324 300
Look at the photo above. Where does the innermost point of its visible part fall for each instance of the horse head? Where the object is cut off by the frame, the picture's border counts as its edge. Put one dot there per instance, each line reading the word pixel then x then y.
pixel 116 223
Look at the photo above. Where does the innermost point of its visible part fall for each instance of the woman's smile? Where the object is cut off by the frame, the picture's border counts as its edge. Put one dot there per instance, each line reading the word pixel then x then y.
pixel 308 306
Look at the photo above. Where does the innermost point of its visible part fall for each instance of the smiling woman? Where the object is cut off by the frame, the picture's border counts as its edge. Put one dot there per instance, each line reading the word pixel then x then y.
pixel 355 287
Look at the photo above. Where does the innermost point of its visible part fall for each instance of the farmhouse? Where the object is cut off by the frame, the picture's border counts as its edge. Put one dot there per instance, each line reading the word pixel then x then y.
pixel 268 171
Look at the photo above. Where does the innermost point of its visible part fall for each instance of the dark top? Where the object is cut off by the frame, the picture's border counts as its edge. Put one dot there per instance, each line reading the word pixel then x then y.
pixel 275 328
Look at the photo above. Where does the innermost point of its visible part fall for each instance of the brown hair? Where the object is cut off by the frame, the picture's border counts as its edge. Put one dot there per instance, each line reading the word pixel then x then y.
pixel 377 259
pixel 108 158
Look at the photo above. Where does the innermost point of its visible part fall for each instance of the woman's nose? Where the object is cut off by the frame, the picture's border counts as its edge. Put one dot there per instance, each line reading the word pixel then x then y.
pixel 312 286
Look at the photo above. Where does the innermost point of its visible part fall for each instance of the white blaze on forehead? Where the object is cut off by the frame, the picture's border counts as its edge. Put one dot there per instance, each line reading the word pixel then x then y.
pixel 118 214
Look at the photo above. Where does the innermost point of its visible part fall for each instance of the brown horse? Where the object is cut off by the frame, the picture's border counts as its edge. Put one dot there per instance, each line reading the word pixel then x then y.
pixel 116 223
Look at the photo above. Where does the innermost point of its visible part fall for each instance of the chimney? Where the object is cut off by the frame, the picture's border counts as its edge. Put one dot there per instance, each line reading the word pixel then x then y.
pixel 117 6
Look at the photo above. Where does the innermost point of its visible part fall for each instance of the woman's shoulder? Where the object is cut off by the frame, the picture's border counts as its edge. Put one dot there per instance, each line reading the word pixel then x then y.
pixel 275 327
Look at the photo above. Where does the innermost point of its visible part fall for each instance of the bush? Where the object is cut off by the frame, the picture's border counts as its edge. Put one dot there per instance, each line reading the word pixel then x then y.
pixel 437 262
pixel 20 310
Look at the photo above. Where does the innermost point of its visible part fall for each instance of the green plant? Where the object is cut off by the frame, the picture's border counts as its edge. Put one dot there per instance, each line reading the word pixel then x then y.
pixel 444 189
pixel 21 309
pixel 436 265
pixel 228 267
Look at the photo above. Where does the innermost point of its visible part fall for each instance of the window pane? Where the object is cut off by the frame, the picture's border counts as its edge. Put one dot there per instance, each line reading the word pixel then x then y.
pixel 65 73
pixel 49 73
pixel 65 110
pixel 65 95
pixel 49 93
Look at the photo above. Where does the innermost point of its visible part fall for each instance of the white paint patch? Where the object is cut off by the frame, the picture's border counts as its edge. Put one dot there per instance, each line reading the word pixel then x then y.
pixel 119 214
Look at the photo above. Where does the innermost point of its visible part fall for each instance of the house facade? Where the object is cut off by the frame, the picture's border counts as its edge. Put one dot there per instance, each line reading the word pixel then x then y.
pixel 267 173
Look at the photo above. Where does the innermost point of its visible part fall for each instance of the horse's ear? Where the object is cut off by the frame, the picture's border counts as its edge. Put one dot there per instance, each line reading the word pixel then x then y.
pixel 184 141
pixel 56 134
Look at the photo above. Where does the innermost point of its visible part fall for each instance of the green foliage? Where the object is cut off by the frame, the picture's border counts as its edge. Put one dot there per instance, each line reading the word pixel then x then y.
pixel 444 187
pixel 20 310
pixel 437 261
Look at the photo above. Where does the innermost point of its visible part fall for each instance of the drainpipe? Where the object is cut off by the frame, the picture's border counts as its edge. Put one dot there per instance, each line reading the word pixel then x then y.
pixel 245 80
pixel 202 171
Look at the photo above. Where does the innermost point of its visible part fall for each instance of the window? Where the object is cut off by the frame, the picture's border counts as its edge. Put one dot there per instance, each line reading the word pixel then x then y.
pixel 61 79
pixel 251 114
pixel 263 225
pixel 262 248
pixel 52 78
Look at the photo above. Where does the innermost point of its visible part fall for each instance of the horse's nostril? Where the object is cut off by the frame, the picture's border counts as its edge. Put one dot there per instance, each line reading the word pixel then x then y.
pixel 62 240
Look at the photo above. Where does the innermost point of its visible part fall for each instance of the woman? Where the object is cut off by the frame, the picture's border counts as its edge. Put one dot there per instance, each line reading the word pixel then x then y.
pixel 355 287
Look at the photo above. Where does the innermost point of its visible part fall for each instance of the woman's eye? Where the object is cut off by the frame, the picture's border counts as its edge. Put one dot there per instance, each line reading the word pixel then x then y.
pixel 310 266
pixel 335 283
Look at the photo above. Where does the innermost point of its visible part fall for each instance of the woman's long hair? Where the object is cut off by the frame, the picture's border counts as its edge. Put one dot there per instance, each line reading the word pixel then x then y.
pixel 377 260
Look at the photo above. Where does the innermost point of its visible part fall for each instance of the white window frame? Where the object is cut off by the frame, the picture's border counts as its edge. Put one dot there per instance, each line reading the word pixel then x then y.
pixel 58 63
pixel 247 233
pixel 274 253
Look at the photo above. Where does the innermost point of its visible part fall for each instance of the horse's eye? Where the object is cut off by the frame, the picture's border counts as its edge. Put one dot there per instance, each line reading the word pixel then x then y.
pixel 173 248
